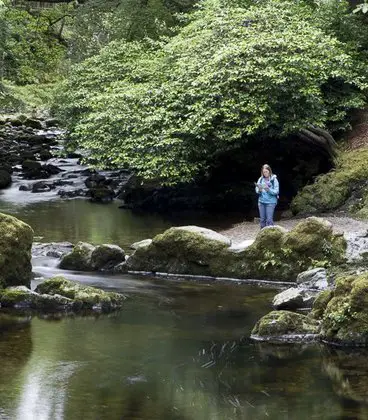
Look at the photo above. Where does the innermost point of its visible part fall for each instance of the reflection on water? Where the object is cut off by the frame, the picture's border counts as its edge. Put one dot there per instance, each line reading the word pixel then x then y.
pixel 177 351
pixel 44 393
pixel 181 353
pixel 15 350
pixel 348 370
pixel 79 220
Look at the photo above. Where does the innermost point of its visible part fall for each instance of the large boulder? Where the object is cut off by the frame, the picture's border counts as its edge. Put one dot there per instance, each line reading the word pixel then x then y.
pixel 106 257
pixel 316 279
pixel 294 298
pixel 79 258
pixel 275 254
pixel 87 257
pixel 180 250
pixel 339 316
pixel 15 251
pixel 344 187
pixel 345 317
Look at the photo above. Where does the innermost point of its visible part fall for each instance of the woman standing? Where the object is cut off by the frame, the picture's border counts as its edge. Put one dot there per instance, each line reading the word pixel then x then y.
pixel 267 188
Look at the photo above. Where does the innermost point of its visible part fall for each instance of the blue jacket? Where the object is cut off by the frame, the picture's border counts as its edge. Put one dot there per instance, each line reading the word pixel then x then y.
pixel 271 196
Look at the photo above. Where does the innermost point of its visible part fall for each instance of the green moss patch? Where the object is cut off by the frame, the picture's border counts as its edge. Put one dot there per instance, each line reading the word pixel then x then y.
pixel 15 251
pixel 275 254
pixel 84 297
pixel 345 319
pixel 332 190
pixel 282 323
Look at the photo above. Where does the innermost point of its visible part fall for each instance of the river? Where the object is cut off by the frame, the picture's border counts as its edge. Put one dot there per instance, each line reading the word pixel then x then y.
pixel 178 350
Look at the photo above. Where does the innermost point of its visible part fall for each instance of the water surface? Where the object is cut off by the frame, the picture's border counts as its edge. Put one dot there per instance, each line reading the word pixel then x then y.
pixel 177 350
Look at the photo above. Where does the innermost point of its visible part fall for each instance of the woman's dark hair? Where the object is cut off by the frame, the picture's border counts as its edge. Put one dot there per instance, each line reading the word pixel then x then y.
pixel 268 167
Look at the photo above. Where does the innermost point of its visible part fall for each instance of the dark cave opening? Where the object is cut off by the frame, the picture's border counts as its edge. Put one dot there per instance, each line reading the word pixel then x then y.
pixel 229 185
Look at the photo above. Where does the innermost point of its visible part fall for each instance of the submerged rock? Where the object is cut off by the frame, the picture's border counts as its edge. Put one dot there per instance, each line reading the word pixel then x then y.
pixel 338 316
pixel 279 326
pixel 348 371
pixel 57 294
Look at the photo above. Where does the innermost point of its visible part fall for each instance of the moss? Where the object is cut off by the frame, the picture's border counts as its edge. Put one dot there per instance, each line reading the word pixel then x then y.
pixel 270 239
pixel 345 319
pixel 85 297
pixel 106 256
pixel 79 259
pixel 359 294
pixel 320 304
pixel 15 251
pixel 178 251
pixel 12 296
pixel 274 255
pixel 360 207
pixel 331 190
pixel 278 323
pixel 313 239
pixel 58 285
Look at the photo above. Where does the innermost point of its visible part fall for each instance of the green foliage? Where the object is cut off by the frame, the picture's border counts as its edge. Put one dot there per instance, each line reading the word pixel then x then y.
pixel 27 98
pixel 168 109
pixel 98 22
pixel 31 51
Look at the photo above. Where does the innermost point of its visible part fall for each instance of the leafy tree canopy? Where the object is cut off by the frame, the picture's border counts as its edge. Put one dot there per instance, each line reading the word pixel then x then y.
pixel 166 109
pixel 31 50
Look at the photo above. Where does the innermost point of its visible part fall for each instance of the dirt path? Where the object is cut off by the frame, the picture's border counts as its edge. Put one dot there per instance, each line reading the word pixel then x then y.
pixel 341 224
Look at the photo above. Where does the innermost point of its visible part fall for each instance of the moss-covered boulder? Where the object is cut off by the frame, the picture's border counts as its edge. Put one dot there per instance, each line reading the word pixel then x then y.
pixel 106 257
pixel 275 254
pixel 87 257
pixel 313 238
pixel 79 258
pixel 180 250
pixel 345 318
pixel 15 251
pixel 320 304
pixel 285 326
pixel 83 297
pixel 17 296
pixel 346 184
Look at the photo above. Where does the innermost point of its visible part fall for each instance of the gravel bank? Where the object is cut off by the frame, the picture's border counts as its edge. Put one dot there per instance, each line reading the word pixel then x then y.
pixel 341 224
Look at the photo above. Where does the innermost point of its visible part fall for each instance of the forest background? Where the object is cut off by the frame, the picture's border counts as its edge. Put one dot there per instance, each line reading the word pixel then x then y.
pixel 191 92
